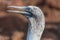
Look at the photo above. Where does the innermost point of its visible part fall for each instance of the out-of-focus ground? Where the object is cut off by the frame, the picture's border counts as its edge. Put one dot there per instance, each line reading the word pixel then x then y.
pixel 51 10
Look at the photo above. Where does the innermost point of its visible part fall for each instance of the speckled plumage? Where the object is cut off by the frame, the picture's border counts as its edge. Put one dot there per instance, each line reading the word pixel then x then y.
pixel 36 21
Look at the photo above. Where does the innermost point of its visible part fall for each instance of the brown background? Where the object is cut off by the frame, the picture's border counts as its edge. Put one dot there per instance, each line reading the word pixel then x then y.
pixel 51 10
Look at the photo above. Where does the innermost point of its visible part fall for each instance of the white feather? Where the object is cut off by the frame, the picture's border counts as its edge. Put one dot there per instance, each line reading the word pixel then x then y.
pixel 36 24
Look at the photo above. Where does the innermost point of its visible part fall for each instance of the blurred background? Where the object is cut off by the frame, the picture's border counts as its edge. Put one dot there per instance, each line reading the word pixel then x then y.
pixel 51 10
